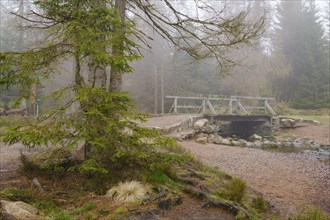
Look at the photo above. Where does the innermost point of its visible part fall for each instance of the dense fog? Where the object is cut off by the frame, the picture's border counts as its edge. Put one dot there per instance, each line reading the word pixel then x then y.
pixel 291 62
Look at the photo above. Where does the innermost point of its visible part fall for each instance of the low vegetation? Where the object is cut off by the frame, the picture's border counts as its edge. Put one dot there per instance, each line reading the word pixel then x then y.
pixel 310 213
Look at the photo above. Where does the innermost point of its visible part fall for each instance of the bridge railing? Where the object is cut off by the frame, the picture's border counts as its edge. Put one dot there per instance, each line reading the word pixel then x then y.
pixel 233 104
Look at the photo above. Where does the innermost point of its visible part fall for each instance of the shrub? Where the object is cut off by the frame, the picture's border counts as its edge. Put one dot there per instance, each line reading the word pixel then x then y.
pixel 127 192
pixel 235 189
pixel 259 204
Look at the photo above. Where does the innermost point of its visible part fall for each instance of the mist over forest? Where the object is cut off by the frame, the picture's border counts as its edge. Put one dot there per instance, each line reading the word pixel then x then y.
pixel 291 62
pixel 164 109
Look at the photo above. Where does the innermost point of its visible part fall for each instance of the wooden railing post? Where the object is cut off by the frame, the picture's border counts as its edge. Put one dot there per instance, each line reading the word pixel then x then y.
pixel 176 105
pixel 204 105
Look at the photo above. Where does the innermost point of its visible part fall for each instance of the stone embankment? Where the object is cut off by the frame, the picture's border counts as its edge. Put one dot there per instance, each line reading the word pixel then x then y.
pixel 203 132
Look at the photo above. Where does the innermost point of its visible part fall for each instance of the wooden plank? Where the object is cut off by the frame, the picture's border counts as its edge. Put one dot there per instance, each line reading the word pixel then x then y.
pixel 251 97
pixel 180 97
pixel 254 107
pixel 175 105
pixel 188 106
pixel 270 109
pixel 209 104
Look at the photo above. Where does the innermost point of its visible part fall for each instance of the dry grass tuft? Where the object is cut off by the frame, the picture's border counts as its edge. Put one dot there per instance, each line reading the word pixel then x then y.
pixel 127 192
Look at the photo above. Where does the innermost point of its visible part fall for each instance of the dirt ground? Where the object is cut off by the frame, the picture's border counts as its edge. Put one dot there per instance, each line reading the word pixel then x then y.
pixel 319 133
pixel 288 181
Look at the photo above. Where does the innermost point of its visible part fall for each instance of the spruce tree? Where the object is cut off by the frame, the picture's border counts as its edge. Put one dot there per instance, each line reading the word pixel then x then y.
pixel 94 35
pixel 300 38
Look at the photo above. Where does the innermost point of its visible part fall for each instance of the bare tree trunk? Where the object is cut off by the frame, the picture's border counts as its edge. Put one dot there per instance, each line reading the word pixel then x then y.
pixel 118 49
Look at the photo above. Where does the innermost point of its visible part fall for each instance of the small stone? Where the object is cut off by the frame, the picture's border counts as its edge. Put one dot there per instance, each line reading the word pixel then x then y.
pixel 226 141
pixel 212 138
pixel 242 142
pixel 288 123
pixel 236 143
pixel 201 140
pixel 269 144
pixel 258 144
pixel 218 140
pixel 255 137
pixel 249 144
pixel 315 122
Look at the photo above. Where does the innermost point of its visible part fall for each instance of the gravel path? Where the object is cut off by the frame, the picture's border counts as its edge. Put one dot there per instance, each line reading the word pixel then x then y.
pixel 287 181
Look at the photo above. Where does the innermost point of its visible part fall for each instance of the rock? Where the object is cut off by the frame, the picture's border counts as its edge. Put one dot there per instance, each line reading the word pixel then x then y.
pixel 287 144
pixel 299 120
pixel 226 141
pixel 214 139
pixel 258 144
pixel 218 140
pixel 200 123
pixel 52 158
pixel 242 142
pixel 255 137
pixel 199 135
pixel 211 138
pixel 179 137
pixel 18 210
pixel 249 144
pixel 288 123
pixel 236 143
pixel 208 129
pixel 269 144
pixel 298 144
pixel 315 122
pixel 201 140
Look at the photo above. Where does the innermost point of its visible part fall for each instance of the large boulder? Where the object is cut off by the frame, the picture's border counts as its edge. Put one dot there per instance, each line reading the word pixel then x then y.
pixel 53 157
pixel 199 124
pixel 18 211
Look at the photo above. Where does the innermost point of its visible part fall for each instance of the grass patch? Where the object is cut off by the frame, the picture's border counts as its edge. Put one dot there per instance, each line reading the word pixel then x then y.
pixel 10 122
pixel 259 204
pixel 47 206
pixel 78 211
pixel 235 189
pixel 62 215
pixel 157 177
pixel 15 194
pixel 310 213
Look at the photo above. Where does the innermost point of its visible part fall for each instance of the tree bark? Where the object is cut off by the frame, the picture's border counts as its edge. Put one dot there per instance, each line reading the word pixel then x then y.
pixel 98 74
pixel 118 49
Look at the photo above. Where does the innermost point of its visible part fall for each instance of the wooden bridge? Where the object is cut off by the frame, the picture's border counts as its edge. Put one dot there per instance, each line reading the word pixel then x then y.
pixel 233 105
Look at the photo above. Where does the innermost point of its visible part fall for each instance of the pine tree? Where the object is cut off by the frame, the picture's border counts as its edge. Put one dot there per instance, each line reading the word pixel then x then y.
pixel 301 40
pixel 94 37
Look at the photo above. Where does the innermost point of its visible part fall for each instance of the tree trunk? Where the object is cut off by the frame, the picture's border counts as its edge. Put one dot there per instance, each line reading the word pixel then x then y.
pixel 97 73
pixel 118 49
